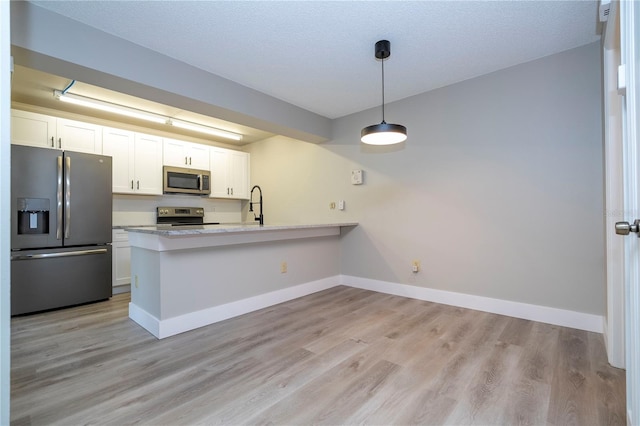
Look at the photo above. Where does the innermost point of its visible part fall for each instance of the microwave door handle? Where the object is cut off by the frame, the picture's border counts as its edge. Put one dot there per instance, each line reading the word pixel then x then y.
pixel 200 182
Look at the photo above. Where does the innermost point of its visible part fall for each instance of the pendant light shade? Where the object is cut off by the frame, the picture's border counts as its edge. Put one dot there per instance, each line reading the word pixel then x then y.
pixel 383 133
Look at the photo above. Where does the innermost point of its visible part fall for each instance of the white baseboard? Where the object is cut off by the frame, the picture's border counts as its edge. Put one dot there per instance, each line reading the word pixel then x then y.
pixel 565 318
pixel 144 319
pixel 126 288
pixel 193 320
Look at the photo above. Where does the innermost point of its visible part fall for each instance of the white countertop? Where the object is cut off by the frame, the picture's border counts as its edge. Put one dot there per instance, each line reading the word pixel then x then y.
pixel 181 231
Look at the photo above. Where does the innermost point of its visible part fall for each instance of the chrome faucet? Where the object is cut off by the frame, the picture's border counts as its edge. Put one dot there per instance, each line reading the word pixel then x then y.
pixel 251 203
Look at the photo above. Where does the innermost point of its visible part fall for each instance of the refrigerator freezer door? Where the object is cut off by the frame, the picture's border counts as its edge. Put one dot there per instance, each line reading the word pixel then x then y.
pixel 36 192
pixel 48 279
pixel 88 202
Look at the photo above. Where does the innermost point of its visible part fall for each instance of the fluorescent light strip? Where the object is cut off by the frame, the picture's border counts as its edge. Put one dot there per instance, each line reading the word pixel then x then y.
pixel 109 107
pixel 142 115
pixel 205 129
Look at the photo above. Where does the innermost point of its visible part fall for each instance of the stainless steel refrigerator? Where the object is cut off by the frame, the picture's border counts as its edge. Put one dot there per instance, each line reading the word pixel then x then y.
pixel 60 228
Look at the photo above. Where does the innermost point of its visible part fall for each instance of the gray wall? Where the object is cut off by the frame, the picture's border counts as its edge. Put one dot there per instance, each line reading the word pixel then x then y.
pixel 498 190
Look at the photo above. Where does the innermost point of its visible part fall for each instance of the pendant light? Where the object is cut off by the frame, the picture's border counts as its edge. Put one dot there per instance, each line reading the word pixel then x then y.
pixel 383 133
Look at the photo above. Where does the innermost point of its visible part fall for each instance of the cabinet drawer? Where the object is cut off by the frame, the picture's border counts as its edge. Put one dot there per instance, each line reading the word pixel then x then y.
pixel 120 235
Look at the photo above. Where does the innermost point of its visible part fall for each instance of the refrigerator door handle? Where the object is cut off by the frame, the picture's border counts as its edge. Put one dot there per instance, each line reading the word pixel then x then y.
pixel 67 196
pixel 62 254
pixel 59 201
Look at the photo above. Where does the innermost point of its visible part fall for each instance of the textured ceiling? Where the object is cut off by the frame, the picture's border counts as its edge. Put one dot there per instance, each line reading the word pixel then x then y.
pixel 319 55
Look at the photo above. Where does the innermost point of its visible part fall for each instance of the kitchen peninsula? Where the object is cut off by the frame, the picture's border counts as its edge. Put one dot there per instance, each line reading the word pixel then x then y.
pixel 188 277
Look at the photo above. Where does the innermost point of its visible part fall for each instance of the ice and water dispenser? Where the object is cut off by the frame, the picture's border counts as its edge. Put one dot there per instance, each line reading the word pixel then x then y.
pixel 33 215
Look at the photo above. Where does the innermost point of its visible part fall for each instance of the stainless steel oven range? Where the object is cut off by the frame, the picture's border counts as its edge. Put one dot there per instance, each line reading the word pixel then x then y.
pixel 181 216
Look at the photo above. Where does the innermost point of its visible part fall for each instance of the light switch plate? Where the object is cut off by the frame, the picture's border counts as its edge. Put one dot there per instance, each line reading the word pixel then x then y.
pixel 356 177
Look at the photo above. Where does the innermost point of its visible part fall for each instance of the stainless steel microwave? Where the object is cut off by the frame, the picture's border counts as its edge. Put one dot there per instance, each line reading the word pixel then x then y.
pixel 178 180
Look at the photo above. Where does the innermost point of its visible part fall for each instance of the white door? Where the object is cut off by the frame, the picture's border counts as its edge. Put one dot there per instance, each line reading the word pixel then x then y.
pixel 148 164
pixel 239 174
pixel 118 144
pixel 29 128
pixel 199 156
pixel 630 52
pixel 219 173
pixel 79 137
pixel 174 153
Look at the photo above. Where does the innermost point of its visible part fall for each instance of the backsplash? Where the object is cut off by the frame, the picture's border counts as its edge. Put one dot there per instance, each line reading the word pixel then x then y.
pixel 133 210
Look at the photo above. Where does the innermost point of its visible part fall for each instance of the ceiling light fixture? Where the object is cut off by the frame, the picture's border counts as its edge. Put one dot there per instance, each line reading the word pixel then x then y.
pixel 383 133
pixel 108 107
pixel 205 129
pixel 142 115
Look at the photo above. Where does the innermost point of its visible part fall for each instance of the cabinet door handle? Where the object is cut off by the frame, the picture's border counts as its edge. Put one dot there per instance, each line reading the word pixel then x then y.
pixel 231 191
pixel 185 161
pixel 138 185
pixel 60 143
pixel 189 160
pixel 53 144
pixel 228 191
pixel 131 184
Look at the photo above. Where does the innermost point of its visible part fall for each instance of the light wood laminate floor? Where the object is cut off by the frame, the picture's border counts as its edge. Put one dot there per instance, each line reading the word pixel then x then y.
pixel 341 356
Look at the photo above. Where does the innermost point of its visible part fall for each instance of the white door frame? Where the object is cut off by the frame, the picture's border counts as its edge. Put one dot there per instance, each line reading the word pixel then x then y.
pixel 630 58
pixel 614 197
pixel 5 163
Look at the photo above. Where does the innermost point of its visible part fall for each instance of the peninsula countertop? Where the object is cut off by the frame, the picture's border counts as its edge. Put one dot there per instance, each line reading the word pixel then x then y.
pixel 163 238
pixel 226 228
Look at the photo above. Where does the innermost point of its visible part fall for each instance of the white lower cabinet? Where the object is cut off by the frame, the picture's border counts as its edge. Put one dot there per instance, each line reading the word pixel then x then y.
pixel 229 173
pixel 121 264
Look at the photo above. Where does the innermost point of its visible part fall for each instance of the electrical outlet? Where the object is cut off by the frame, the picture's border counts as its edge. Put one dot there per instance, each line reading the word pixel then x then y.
pixel 136 279
pixel 341 205
pixel 283 268
pixel 415 266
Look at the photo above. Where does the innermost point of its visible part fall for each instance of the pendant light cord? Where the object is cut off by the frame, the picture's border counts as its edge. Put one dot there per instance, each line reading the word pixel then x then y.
pixel 383 90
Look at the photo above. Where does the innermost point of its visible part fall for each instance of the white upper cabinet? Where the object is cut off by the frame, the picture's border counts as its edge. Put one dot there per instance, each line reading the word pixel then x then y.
pixel 185 154
pixel 137 161
pixel 229 173
pixel 78 136
pixel 119 145
pixel 148 164
pixel 44 131
pixel 239 174
pixel 28 128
